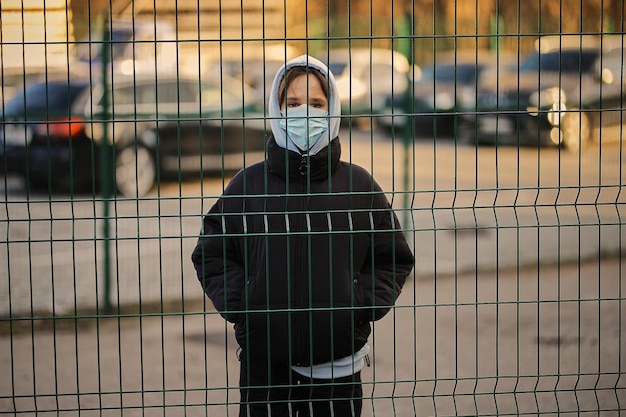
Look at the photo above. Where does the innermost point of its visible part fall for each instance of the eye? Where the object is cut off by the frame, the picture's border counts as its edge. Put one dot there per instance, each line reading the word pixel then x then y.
pixel 318 104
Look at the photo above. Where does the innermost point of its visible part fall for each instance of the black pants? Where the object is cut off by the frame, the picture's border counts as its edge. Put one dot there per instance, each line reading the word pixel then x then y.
pixel 281 392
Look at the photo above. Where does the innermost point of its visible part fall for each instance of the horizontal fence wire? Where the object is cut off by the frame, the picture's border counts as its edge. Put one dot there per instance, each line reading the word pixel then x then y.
pixel 493 130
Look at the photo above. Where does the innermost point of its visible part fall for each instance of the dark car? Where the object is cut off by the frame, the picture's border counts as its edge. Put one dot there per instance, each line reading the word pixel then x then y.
pixel 516 106
pixel 42 138
pixel 164 128
pixel 447 88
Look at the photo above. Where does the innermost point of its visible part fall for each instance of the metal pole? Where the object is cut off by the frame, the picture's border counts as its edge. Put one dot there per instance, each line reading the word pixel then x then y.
pixel 408 131
pixel 106 176
pixel 496 25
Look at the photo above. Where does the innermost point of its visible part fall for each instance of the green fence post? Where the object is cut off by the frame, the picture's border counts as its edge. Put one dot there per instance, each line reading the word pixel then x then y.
pixel 496 24
pixel 404 29
pixel 105 163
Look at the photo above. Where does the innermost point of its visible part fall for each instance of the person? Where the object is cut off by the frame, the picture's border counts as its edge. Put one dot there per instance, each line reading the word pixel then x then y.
pixel 301 252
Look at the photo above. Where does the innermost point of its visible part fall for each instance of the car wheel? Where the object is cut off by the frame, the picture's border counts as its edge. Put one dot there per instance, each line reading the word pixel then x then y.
pixel 135 171
pixel 575 130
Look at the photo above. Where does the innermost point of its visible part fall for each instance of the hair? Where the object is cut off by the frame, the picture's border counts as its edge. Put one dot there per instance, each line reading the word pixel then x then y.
pixel 293 73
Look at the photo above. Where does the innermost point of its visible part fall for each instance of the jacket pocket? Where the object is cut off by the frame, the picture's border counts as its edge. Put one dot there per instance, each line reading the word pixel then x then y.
pixel 359 304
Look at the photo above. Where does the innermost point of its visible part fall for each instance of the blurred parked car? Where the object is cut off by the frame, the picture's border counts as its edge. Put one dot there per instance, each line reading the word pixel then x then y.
pixel 365 77
pixel 163 128
pixel 39 132
pixel 447 88
pixel 595 113
pixel 516 106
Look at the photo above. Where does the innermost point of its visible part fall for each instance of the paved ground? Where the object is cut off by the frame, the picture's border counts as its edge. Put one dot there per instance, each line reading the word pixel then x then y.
pixel 546 341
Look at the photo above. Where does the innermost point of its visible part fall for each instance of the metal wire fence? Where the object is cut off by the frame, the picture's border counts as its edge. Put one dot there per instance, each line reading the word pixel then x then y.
pixel 494 131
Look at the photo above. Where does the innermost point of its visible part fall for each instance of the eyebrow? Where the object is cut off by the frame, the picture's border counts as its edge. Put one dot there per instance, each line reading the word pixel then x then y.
pixel 317 100
pixel 311 100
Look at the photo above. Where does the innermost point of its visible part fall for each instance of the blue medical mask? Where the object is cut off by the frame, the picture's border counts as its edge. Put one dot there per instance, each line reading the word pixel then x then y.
pixel 304 125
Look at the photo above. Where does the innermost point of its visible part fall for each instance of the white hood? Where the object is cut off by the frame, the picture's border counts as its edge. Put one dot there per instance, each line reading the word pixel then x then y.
pixel 334 105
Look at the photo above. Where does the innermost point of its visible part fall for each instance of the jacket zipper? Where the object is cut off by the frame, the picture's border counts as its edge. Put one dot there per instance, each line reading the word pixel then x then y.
pixel 300 267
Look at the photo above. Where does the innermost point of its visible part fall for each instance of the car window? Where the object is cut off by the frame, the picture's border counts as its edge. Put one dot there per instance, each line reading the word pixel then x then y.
pixel 123 95
pixel 461 73
pixel 466 74
pixel 560 61
pixel 577 61
pixel 380 72
pixel 337 68
pixel 212 95
pixel 175 91
pixel 45 97
pixel 173 96
pixel 166 92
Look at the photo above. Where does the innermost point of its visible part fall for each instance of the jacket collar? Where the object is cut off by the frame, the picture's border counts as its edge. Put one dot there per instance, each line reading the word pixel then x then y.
pixel 318 167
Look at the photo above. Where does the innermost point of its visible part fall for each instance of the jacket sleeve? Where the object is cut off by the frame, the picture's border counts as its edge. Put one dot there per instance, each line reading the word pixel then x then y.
pixel 389 263
pixel 218 263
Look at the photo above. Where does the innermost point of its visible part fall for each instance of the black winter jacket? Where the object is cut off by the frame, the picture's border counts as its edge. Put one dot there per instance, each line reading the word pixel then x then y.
pixel 301 253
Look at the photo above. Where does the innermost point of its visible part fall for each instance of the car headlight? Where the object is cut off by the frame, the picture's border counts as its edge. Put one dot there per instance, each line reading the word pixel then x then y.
pixel 607 76
pixel 546 98
pixel 440 101
pixel 467 99
pixel 443 101
pixel 553 99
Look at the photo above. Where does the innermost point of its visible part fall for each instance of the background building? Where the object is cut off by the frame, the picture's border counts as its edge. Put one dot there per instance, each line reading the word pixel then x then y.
pixel 35 33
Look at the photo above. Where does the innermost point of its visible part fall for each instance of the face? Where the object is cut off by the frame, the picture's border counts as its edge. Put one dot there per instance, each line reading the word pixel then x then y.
pixel 305 89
